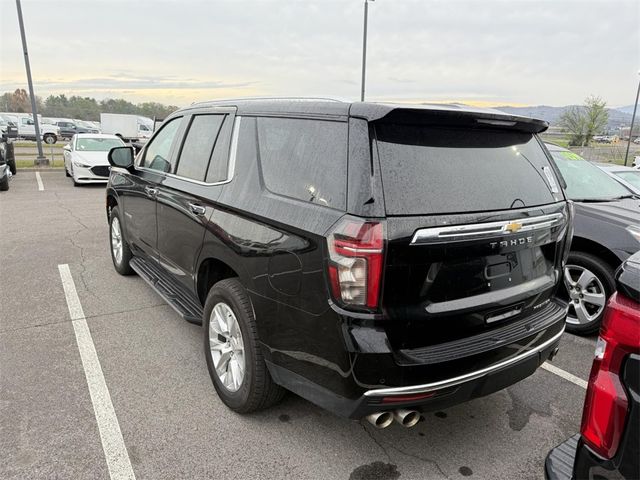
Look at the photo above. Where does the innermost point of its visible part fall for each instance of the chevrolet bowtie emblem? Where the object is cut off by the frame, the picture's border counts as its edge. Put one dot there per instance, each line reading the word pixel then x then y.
pixel 513 227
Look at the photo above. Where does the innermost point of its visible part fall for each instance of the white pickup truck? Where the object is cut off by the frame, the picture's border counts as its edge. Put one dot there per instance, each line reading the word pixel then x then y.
pixel 27 129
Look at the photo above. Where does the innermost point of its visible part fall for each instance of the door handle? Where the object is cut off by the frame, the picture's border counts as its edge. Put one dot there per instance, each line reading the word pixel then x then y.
pixel 197 209
pixel 151 192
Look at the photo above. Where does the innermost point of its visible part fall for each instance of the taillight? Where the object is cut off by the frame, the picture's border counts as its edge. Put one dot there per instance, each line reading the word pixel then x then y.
pixel 606 404
pixel 356 249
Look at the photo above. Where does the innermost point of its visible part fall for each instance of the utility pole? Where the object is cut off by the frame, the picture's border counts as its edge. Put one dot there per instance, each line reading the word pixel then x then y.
pixel 364 48
pixel 41 160
pixel 633 117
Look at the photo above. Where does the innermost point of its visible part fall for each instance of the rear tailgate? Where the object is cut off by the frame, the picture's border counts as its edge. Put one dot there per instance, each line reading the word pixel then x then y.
pixel 475 227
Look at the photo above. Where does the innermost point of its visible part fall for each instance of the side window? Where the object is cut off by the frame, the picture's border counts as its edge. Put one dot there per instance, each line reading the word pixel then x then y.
pixel 157 153
pixel 198 146
pixel 219 165
pixel 304 159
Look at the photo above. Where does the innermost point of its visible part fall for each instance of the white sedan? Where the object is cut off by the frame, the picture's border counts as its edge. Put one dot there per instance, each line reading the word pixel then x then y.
pixel 85 157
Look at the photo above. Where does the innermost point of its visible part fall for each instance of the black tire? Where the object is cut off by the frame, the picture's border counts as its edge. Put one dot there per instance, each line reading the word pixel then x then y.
pixel 605 274
pixel 4 184
pixel 123 267
pixel 258 390
pixel 66 172
pixel 50 139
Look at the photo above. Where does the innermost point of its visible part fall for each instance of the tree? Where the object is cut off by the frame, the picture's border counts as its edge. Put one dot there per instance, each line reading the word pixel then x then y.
pixel 84 108
pixel 583 122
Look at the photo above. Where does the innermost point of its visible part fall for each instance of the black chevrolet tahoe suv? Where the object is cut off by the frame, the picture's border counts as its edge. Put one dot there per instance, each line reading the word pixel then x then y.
pixel 375 259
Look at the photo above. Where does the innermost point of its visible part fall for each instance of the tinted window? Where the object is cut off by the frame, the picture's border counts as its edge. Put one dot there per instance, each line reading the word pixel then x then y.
pixel 198 146
pixel 157 153
pixel 584 180
pixel 427 170
pixel 304 159
pixel 219 165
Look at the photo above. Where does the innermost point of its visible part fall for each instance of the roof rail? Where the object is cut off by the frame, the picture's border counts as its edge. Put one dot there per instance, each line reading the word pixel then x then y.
pixel 241 99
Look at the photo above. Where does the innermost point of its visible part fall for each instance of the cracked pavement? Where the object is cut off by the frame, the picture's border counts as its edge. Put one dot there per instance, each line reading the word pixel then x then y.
pixel 172 423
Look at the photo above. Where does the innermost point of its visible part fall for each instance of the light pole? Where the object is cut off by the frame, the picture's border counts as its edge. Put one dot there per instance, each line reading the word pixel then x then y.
pixel 633 117
pixel 364 48
pixel 41 160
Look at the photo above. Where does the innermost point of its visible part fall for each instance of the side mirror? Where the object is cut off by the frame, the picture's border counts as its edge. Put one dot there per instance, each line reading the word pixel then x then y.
pixel 121 157
pixel 67 147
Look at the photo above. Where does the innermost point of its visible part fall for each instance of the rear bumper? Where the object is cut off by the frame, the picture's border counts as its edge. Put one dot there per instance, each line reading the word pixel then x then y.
pixel 559 462
pixel 423 387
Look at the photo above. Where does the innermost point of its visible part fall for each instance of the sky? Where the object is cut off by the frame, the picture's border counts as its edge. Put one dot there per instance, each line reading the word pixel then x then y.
pixel 482 52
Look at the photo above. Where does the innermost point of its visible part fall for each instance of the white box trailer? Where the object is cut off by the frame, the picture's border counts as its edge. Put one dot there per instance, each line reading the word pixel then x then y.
pixel 132 128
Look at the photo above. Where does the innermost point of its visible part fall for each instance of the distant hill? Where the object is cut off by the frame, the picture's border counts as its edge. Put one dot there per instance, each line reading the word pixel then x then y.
pixel 552 115
pixel 628 109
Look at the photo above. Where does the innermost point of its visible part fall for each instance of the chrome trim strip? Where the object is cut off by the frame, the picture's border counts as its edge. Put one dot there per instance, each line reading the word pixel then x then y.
pixel 451 382
pixel 464 232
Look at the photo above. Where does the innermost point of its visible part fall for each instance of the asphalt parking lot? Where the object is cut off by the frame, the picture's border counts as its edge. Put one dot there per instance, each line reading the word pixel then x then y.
pixel 171 421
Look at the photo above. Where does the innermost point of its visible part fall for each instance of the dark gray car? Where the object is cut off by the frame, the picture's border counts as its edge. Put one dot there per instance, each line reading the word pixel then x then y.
pixel 607 232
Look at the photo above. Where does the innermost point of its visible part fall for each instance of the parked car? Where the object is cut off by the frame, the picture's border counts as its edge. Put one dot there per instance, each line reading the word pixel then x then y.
pixel 627 176
pixel 85 127
pixel 7 165
pixel 85 157
pixel 607 232
pixel 608 446
pixel 603 139
pixel 374 287
pixel 8 129
pixel 67 127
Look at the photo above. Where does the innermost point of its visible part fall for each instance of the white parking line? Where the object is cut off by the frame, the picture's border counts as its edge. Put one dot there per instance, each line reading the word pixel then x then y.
pixel 113 445
pixel 39 179
pixel 566 375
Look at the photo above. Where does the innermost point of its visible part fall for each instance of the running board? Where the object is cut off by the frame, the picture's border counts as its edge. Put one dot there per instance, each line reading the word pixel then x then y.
pixel 175 295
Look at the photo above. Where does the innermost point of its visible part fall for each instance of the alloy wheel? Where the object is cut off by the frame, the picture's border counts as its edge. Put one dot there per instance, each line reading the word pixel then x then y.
pixel 587 295
pixel 116 240
pixel 227 347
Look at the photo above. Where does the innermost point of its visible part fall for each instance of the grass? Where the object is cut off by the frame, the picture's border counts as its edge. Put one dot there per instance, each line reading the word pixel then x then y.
pixel 23 144
pixel 29 163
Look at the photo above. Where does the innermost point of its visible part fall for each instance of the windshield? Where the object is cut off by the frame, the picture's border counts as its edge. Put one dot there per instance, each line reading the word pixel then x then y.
pixel 98 144
pixel 427 170
pixel 631 177
pixel 586 181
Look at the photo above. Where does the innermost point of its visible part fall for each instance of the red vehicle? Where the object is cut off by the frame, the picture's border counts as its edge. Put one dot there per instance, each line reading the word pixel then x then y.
pixel 608 446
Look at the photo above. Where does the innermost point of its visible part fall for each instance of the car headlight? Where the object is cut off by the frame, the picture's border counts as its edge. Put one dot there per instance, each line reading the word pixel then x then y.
pixel 634 230
pixel 80 165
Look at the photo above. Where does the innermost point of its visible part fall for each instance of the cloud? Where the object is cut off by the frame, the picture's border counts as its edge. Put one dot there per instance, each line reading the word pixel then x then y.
pixel 519 51
pixel 130 82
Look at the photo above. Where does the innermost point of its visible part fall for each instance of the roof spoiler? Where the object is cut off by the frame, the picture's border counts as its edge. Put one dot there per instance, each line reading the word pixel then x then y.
pixel 448 115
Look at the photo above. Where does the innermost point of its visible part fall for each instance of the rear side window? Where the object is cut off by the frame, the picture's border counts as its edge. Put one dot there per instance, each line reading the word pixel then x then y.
pixel 219 164
pixel 304 159
pixel 431 170
pixel 198 146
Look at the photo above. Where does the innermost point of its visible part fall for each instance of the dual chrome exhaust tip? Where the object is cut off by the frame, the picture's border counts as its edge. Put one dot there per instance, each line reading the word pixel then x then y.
pixel 406 418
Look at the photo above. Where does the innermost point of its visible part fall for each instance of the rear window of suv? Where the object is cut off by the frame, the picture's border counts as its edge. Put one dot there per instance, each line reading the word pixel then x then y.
pixel 433 170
